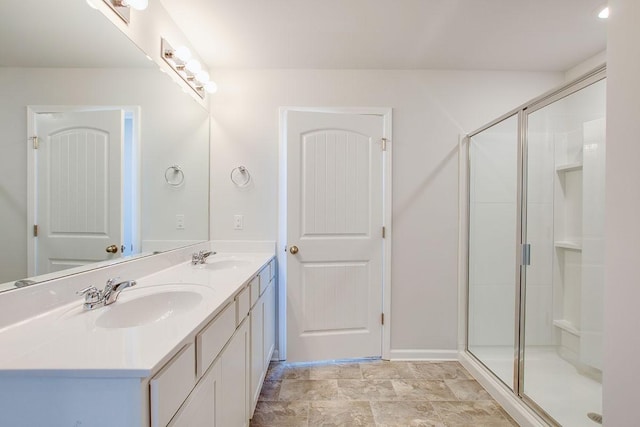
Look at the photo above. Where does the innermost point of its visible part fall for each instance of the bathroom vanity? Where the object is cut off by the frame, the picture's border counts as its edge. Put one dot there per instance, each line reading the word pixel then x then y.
pixel 188 345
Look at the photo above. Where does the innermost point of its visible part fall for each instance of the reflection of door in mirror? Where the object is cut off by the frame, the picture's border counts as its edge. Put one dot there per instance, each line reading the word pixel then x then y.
pixel 83 208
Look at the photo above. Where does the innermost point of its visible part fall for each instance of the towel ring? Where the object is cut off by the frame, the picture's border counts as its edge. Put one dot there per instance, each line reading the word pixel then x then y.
pixel 242 171
pixel 174 181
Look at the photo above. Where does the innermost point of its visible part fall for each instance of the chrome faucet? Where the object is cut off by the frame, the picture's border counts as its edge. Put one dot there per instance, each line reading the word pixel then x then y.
pixel 112 290
pixel 200 257
pixel 93 297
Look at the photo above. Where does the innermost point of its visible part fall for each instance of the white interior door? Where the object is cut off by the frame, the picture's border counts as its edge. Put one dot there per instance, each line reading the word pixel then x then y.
pixel 79 188
pixel 334 235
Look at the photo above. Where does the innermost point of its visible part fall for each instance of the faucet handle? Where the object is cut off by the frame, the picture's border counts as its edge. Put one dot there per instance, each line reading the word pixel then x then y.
pixel 88 290
pixel 111 282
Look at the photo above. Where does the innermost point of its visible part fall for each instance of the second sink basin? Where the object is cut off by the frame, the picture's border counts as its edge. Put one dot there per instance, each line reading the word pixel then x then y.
pixel 144 306
pixel 226 263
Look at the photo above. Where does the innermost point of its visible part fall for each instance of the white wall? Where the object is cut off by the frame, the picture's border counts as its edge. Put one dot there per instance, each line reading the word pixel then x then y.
pixel 174 129
pixel 622 287
pixel 431 110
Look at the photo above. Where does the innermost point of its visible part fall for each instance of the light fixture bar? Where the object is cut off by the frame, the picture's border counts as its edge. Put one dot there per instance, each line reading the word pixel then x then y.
pixel 124 12
pixel 168 53
pixel 122 8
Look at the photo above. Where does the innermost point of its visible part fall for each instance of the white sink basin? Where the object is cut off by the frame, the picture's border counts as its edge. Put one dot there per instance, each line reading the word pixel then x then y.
pixel 141 306
pixel 146 309
pixel 227 263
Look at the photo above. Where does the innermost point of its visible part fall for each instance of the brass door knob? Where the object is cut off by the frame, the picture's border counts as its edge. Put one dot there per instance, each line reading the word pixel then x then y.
pixel 293 250
pixel 113 249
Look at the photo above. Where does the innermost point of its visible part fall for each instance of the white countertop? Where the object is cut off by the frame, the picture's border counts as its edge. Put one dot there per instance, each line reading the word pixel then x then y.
pixel 66 341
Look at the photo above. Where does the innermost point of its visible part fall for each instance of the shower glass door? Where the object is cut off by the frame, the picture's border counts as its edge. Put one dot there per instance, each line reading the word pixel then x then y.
pixel 493 170
pixel 563 219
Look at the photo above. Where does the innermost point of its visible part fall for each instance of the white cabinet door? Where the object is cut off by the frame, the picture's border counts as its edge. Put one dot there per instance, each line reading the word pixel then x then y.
pixel 233 410
pixel 200 408
pixel 257 350
pixel 269 308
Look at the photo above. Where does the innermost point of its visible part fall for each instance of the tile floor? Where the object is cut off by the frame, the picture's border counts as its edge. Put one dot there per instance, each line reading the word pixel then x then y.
pixel 375 393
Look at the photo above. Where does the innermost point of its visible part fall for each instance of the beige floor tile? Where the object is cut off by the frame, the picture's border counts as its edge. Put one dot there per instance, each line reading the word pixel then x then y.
pixel 340 413
pixel 270 390
pixel 366 390
pixel 281 371
pixel 291 390
pixel 405 413
pixel 468 390
pixel 439 370
pixel 386 370
pixel 422 390
pixel 375 393
pixel 479 413
pixel 335 371
pixel 281 414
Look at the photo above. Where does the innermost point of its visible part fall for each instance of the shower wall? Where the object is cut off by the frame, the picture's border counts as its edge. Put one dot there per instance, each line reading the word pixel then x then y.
pixel 492 232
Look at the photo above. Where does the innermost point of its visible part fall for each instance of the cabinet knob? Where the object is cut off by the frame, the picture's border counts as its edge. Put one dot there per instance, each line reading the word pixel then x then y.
pixel 112 249
pixel 293 250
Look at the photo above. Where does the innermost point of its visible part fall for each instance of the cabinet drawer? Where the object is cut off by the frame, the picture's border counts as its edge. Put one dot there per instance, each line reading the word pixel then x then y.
pixel 243 301
pixel 265 278
pixel 171 386
pixel 254 285
pixel 214 336
pixel 272 269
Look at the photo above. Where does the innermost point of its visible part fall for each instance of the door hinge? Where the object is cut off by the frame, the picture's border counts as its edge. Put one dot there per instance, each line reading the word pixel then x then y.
pixel 384 144
pixel 382 318
pixel 526 254
pixel 36 142
pixel 35 230
pixel 384 232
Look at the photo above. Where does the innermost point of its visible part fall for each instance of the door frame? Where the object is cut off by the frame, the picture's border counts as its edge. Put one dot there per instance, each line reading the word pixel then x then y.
pixel 387 115
pixel 32 204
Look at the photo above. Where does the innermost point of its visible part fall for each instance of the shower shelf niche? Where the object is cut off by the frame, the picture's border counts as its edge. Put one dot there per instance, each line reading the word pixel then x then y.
pixel 569 167
pixel 578 237
pixel 568 244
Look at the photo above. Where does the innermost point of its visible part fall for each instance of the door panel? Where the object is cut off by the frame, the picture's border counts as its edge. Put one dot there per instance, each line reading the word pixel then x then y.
pixel 334 282
pixel 79 188
pixel 493 173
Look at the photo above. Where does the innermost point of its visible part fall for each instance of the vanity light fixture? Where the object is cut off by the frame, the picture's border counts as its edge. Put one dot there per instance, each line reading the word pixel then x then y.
pixel 188 68
pixel 604 13
pixel 123 7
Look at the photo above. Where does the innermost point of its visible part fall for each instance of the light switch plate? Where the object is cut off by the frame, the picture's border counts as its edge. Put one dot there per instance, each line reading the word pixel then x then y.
pixel 238 222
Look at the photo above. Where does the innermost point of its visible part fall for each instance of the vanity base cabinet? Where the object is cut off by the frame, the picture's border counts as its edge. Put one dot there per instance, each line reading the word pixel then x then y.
pixel 263 335
pixel 203 403
pixel 257 346
pixel 58 401
pixel 233 407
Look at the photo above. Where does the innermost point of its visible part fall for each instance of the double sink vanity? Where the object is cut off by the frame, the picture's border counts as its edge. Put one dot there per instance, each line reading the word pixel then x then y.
pixel 183 344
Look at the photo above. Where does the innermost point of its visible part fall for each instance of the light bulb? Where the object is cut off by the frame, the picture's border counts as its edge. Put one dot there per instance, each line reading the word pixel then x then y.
pixel 194 66
pixel 182 53
pixel 202 77
pixel 604 13
pixel 211 87
pixel 137 4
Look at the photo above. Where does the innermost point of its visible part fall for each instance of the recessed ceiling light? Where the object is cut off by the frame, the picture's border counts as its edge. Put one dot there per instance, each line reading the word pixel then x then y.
pixel 604 13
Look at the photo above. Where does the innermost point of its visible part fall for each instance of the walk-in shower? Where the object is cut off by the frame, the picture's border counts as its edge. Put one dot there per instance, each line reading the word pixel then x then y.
pixel 536 251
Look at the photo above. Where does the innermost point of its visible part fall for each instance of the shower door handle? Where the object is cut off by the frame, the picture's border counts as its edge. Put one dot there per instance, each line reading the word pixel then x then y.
pixel 526 254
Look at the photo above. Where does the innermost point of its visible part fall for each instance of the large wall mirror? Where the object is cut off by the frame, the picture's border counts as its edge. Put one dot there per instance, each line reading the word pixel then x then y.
pixel 120 166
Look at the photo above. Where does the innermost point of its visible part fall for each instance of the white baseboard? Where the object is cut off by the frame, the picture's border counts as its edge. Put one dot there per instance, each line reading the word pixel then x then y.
pixel 505 397
pixel 423 355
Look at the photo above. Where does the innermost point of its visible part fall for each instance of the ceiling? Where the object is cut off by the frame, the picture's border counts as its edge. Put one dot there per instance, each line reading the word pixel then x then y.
pixel 533 35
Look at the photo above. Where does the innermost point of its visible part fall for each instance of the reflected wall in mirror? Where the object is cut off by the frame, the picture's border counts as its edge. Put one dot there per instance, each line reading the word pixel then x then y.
pixel 64 56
